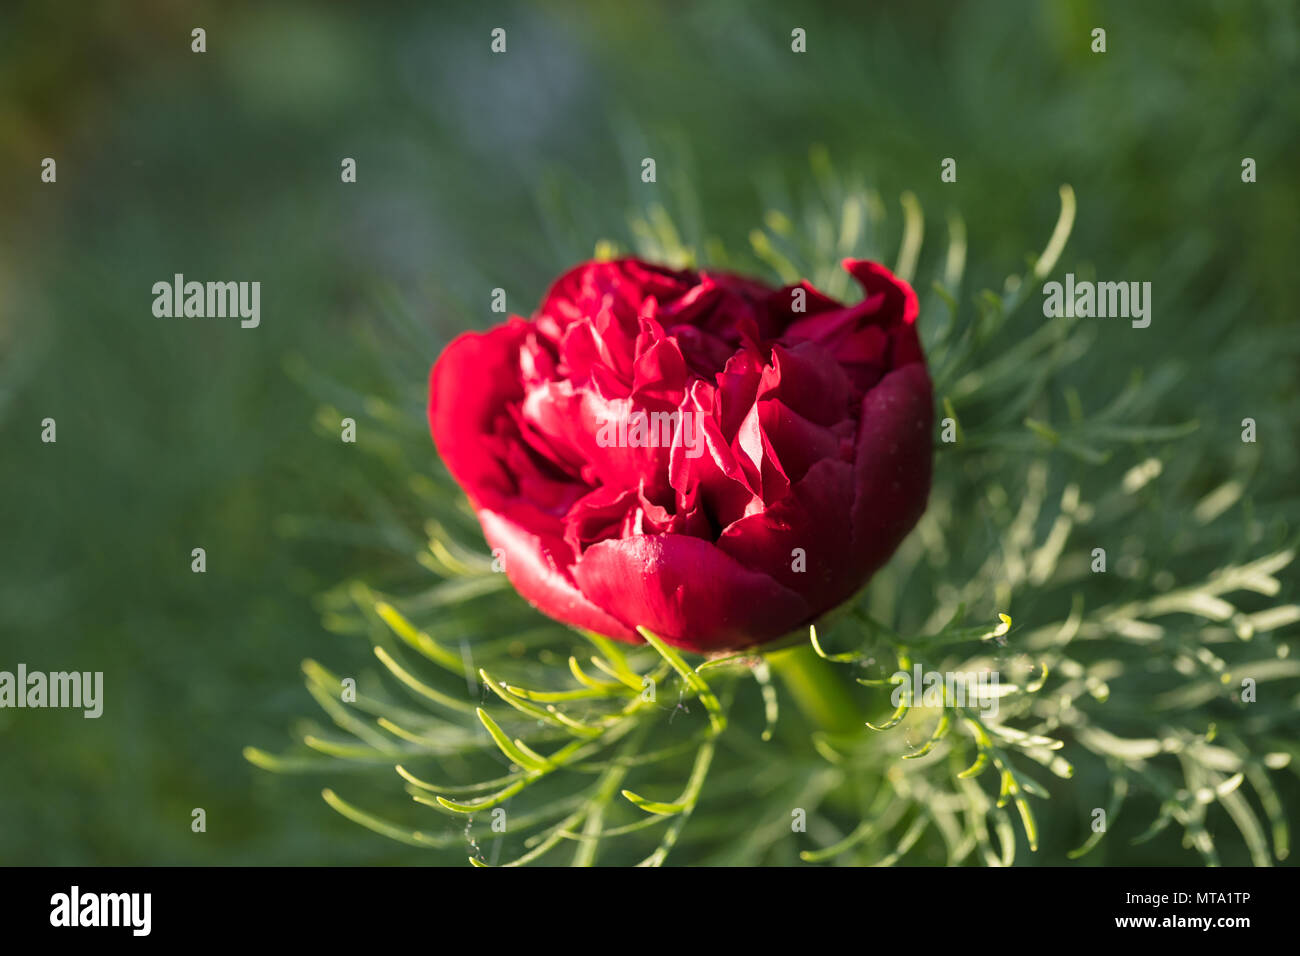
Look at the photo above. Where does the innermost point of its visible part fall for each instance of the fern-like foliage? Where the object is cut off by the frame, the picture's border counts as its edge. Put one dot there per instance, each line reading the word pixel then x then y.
pixel 1128 701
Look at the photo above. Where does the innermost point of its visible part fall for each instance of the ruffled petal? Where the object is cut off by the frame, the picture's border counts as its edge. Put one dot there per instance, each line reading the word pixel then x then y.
pixel 536 565
pixel 469 388
pixel 892 471
pixel 688 592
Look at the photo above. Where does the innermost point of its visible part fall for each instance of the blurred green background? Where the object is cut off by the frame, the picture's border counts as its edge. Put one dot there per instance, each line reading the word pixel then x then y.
pixel 475 171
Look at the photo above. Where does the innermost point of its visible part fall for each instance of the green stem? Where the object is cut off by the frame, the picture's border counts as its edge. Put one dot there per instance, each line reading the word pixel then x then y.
pixel 819 691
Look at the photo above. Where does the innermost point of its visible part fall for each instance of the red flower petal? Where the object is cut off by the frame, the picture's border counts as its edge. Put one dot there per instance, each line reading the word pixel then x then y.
pixel 687 591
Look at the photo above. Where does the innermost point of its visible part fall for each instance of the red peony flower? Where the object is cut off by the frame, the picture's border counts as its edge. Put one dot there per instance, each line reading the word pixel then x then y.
pixel 692 452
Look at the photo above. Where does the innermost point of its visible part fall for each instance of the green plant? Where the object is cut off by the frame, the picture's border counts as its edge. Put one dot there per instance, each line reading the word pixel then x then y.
pixel 1125 688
